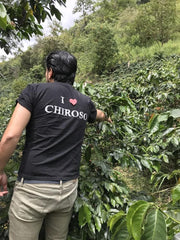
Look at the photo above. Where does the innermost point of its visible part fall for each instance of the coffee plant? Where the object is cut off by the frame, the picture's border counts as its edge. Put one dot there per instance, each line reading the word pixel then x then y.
pixel 143 101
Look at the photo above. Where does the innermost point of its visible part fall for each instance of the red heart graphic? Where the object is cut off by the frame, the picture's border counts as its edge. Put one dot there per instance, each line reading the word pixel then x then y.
pixel 73 101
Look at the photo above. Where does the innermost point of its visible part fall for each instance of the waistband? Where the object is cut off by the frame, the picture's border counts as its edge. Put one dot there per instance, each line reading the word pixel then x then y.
pixel 31 181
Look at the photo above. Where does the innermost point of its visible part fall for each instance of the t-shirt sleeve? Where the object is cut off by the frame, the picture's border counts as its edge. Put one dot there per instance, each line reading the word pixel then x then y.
pixel 93 112
pixel 26 98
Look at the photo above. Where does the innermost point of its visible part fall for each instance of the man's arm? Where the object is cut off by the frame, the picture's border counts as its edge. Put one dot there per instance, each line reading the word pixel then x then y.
pixel 101 116
pixel 9 141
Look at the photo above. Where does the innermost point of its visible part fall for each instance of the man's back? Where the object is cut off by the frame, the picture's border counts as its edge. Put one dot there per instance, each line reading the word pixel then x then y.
pixel 55 132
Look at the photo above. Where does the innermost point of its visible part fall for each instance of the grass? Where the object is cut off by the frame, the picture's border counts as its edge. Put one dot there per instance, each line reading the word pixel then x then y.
pixel 141 187
pixel 134 179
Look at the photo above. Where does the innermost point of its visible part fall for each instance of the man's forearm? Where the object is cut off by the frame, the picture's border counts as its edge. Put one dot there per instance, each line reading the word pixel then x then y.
pixel 7 147
pixel 12 134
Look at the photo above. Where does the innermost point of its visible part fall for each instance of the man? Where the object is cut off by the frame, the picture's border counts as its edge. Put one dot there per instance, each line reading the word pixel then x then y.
pixel 55 116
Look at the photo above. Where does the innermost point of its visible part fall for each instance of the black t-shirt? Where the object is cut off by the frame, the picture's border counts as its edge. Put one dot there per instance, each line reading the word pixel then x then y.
pixel 55 132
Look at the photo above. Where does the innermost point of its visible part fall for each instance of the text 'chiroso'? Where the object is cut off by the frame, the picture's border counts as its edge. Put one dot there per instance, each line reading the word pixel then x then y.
pixel 65 111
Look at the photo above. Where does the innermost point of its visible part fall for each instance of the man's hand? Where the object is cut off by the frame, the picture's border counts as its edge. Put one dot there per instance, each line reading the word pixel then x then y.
pixel 101 116
pixel 3 184
pixel 108 119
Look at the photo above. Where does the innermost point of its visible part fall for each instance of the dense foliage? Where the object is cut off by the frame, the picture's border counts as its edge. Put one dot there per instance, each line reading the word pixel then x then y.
pixel 155 21
pixel 143 101
pixel 21 19
pixel 139 88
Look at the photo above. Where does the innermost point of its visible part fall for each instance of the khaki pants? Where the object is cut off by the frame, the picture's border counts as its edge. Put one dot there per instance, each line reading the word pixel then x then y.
pixel 32 204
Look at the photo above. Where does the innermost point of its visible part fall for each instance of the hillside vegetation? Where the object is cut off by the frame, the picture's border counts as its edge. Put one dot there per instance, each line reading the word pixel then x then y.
pixel 128 56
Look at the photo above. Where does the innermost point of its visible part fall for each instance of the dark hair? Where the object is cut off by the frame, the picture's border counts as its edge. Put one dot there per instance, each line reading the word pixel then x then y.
pixel 63 65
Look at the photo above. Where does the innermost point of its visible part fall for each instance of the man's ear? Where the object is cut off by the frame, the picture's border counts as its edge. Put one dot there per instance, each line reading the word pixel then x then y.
pixel 50 73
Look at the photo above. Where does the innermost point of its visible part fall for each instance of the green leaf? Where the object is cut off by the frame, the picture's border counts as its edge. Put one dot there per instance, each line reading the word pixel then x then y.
pixel 88 153
pixel 163 117
pixel 153 124
pixel 3 12
pixel 84 215
pixel 165 158
pixel 131 104
pixel 118 200
pixel 97 223
pixel 121 232
pixel 91 91
pixel 92 227
pixel 113 202
pixel 155 227
pixel 114 219
pixel 55 11
pixel 176 194
pixel 155 120
pixel 175 113
pixel 3 17
pixel 175 141
pixel 128 129
pixel 109 186
pixel 99 210
pixel 146 163
pixel 135 218
pixel 3 23
pixel 169 130
pixel 174 214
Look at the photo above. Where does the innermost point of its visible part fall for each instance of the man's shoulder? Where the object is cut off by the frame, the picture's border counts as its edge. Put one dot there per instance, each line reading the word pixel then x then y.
pixel 38 86
pixel 82 95
pixel 35 85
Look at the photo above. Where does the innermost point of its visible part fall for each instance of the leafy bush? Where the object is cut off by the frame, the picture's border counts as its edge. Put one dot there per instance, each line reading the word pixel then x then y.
pixel 97 51
pixel 142 100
